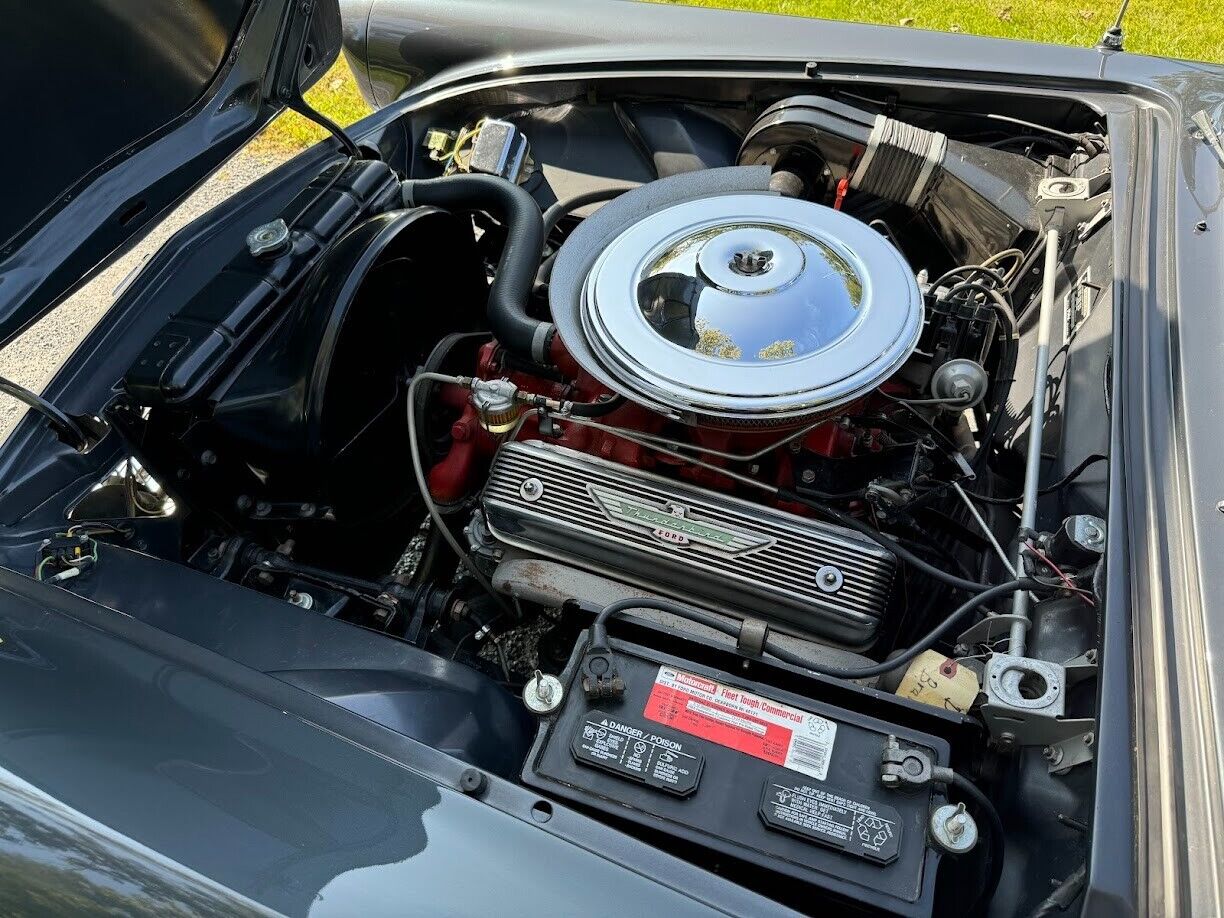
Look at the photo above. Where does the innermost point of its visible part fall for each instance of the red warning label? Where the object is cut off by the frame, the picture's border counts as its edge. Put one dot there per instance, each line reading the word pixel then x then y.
pixel 740 720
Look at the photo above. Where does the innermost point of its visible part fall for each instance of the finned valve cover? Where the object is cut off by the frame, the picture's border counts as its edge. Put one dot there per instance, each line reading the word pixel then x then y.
pixel 697 545
pixel 748 308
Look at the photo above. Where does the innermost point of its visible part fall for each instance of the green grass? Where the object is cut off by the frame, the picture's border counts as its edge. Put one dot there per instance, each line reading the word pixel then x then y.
pixel 335 95
pixel 1191 29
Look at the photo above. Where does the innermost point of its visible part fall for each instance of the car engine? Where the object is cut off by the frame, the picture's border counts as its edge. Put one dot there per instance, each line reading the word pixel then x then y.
pixel 702 431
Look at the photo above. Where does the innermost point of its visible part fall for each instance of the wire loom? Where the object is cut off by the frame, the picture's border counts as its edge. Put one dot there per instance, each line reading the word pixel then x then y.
pixel 901 161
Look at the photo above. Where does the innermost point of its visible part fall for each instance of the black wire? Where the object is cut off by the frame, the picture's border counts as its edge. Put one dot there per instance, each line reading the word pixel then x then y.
pixel 552 217
pixel 884 541
pixel 488 629
pixel 985 808
pixel 455 652
pixel 1029 139
pixel 599 629
pixel 1049 489
pixel 501 655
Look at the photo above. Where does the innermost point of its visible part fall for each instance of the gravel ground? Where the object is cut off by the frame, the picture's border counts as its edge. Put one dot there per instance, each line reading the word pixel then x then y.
pixel 33 358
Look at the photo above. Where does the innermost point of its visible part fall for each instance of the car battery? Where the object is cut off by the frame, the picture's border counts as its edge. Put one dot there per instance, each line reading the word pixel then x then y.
pixel 778 780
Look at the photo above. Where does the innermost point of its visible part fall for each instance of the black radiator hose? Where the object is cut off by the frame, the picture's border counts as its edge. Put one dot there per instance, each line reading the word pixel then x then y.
pixel 517 210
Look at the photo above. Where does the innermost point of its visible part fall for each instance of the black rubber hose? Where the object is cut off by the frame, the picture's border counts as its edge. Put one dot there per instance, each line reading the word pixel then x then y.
pixel 68 429
pixel 596 409
pixel 599 629
pixel 518 211
pixel 553 215
pixel 843 519
pixel 985 808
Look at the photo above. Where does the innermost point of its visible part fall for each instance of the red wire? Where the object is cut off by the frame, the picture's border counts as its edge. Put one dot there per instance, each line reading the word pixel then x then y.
pixel 1041 556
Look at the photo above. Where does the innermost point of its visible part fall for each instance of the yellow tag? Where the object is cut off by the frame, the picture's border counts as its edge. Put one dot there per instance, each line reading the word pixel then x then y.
pixel 939 681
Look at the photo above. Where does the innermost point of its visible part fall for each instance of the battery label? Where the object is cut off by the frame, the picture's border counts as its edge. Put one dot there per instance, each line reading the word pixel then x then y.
pixel 637 753
pixel 756 726
pixel 821 814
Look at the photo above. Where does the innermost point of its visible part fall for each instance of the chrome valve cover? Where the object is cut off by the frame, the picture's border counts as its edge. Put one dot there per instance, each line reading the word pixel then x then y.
pixel 696 545
pixel 748 308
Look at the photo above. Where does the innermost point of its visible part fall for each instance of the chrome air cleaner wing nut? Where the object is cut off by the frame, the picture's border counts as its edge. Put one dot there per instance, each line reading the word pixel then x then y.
pixel 748 308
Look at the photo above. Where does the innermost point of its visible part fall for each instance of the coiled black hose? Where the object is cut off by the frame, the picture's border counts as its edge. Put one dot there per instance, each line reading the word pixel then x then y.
pixel 517 210
pixel 599 628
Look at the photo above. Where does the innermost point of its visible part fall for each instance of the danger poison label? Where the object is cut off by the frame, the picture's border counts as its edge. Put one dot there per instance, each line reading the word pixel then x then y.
pixel 748 723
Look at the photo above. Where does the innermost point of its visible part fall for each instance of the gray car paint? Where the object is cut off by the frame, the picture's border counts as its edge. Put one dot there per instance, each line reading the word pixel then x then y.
pixel 152 764
pixel 1165 525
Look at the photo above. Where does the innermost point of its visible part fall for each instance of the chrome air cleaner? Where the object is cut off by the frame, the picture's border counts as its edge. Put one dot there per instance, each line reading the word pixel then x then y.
pixel 744 308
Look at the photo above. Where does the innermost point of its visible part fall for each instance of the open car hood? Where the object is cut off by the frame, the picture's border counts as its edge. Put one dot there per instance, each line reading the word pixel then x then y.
pixel 118 110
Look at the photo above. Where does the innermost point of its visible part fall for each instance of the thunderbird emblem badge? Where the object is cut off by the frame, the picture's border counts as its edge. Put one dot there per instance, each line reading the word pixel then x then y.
pixel 670 522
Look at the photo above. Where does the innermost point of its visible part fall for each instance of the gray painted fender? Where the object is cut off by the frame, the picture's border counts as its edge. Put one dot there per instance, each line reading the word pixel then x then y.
pixel 142 773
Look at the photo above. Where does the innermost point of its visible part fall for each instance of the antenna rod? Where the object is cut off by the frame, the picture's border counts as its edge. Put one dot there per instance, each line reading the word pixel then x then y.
pixel 1112 39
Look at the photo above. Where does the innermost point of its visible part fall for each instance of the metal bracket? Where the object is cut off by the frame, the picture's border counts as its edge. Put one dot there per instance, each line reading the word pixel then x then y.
pixel 1089 226
pixel 1206 131
pixel 1070 201
pixel 1066 754
pixel 989 628
pixel 1026 702
pixel 1082 667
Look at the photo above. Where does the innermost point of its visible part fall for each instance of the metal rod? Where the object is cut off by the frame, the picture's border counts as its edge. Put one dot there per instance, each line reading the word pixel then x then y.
pixel 641 441
pixel 1032 468
pixel 973 511
pixel 694 447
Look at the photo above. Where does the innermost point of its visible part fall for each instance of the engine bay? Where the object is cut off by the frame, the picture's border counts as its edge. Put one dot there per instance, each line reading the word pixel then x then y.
pixel 739 456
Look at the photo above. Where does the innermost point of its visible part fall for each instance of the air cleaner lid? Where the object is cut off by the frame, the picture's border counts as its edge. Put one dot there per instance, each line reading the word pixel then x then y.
pixel 750 306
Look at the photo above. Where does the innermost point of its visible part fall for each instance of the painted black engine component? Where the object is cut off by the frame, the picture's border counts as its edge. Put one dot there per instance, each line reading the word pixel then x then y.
pixel 976 200
pixel 315 410
pixel 785 782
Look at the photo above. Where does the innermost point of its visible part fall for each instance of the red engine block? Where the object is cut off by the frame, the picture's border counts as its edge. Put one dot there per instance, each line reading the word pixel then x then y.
pixel 466 463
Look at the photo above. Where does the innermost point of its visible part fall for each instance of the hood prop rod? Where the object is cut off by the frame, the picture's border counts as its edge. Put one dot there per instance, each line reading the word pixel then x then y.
pixel 77 431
